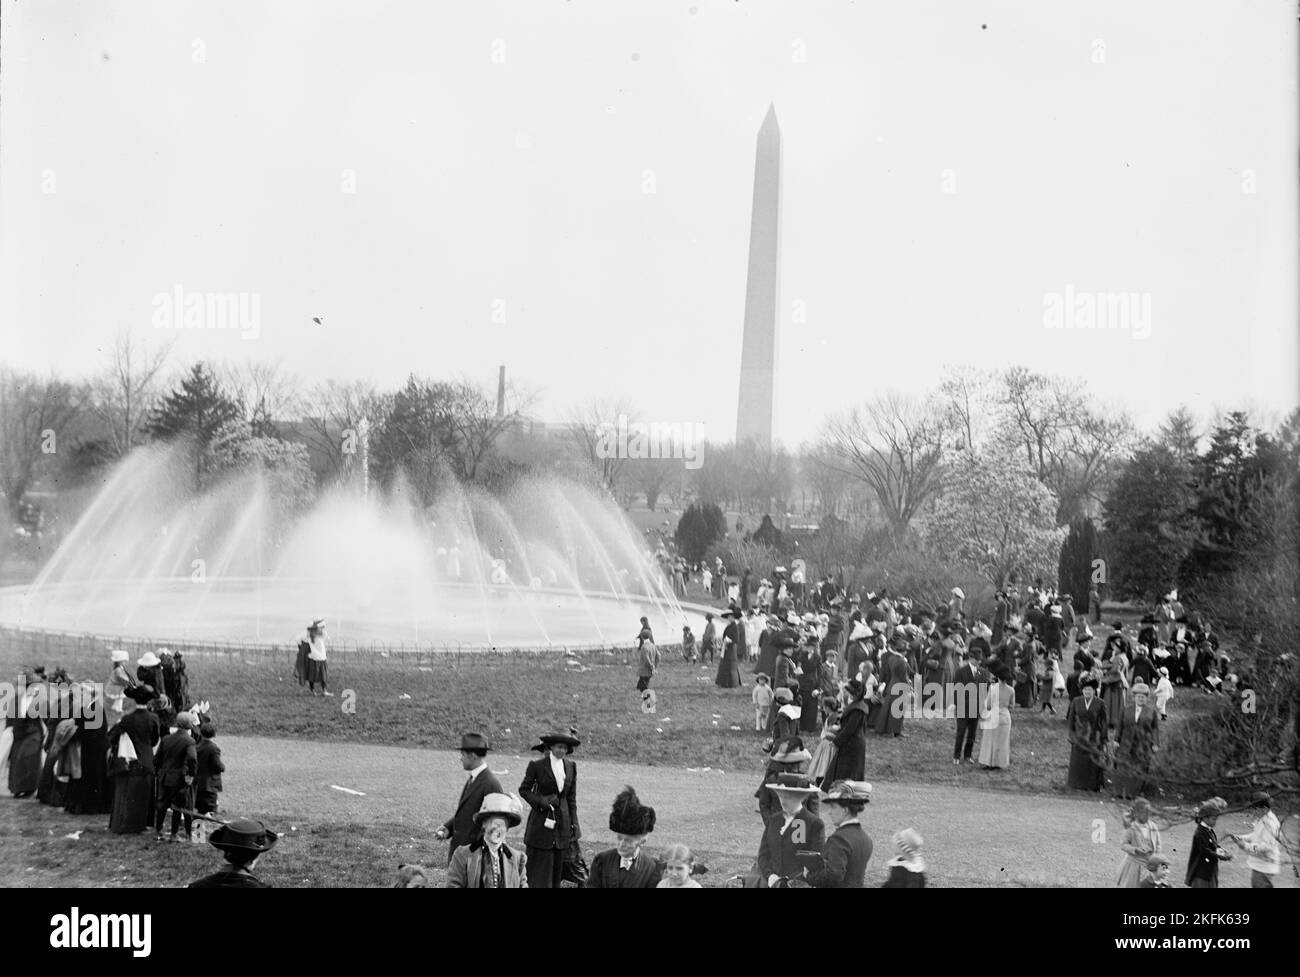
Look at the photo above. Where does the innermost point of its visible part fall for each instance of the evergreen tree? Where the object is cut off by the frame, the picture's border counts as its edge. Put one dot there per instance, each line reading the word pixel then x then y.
pixel 1081 547
pixel 1148 523
pixel 697 530
pixel 1238 462
pixel 198 409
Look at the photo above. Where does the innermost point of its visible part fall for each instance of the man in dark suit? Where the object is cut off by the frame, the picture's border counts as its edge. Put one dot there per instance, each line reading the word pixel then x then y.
pixel 792 840
pixel 972 686
pixel 175 763
pixel 550 788
pixel 846 853
pixel 461 827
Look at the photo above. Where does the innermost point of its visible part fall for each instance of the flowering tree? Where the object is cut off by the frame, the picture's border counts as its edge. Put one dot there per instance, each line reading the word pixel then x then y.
pixel 997 518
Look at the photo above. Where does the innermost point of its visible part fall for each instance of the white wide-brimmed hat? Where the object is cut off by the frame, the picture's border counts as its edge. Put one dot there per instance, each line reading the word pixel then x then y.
pixel 149 659
pixel 118 655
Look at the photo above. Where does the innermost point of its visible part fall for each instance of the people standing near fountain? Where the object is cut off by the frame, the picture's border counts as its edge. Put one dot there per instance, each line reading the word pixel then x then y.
pixel 119 680
pixel 130 744
pixel 709 640
pixel 150 673
pixel 550 788
pixel 649 661
pixel 462 828
pixel 312 668
pixel 28 733
pixel 176 684
pixel 733 638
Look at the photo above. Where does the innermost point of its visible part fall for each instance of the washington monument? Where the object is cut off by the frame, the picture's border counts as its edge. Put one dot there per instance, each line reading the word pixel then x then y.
pixel 758 353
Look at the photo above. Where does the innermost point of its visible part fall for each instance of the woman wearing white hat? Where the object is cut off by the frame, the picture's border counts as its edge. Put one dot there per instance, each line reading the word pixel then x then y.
pixel 150 673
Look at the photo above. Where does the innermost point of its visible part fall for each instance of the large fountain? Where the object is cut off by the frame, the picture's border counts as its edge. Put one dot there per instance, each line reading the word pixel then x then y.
pixel 549 565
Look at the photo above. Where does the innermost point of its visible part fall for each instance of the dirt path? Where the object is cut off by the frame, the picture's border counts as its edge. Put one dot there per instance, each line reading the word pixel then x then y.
pixel 973 837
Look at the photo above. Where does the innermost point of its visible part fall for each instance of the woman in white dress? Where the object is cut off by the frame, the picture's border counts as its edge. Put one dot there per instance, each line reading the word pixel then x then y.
pixel 995 741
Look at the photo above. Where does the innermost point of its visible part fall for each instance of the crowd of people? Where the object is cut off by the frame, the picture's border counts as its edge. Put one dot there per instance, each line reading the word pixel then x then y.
pixel 136 748
pixel 828 669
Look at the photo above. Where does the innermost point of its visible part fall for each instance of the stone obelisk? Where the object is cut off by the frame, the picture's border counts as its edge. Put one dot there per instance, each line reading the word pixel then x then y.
pixel 757 401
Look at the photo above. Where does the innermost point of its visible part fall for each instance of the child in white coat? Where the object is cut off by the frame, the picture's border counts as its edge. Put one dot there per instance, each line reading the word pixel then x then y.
pixel 1164 692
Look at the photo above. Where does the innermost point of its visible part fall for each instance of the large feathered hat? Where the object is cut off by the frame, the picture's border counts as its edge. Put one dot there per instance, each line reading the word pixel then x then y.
pixel 629 816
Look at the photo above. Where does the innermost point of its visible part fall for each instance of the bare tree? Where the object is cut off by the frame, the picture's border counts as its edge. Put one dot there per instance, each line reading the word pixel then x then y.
pixel 124 393
pixel 332 424
pixel 767 476
pixel 965 393
pixel 35 414
pixel 264 391
pixel 1069 442
pixel 477 425
pixel 894 444
pixel 829 482
pixel 590 430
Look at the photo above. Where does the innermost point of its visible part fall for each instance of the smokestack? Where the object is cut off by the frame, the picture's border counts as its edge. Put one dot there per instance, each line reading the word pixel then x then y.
pixel 501 393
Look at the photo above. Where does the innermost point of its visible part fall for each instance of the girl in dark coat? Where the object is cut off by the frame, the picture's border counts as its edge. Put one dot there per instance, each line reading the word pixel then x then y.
pixel 850 761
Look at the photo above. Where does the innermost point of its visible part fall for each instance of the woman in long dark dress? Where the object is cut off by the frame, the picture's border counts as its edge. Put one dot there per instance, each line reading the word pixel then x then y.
pixel 728 676
pixel 50 790
pixel 91 792
pixel 28 734
pixel 132 779
pixel 850 761
pixel 1086 727
pixel 810 687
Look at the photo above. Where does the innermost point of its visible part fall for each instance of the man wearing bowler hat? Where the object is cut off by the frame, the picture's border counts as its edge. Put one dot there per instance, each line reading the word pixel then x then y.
pixel 461 827
pixel 243 842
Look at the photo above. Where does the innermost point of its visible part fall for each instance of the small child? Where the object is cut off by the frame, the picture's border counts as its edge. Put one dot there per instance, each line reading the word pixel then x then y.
pixel 1164 692
pixel 688 644
pixel 681 865
pixel 1158 866
pixel 907 869
pixel 762 701
pixel 208 770
pixel 1045 671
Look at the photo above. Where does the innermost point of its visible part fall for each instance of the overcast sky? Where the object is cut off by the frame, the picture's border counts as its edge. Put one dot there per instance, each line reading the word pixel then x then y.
pixel 501 155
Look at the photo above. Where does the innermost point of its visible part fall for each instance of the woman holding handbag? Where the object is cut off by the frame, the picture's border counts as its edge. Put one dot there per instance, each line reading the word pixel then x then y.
pixel 550 787
pixel 130 750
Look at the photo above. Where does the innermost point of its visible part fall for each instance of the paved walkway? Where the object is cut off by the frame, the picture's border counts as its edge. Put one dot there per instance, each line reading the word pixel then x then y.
pixel 973 837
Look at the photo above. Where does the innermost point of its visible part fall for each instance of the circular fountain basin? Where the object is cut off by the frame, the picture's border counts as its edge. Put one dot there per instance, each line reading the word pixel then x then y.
pixel 382 613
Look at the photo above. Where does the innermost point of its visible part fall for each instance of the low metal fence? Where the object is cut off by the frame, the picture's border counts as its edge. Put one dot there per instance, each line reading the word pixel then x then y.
pixel 41 646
